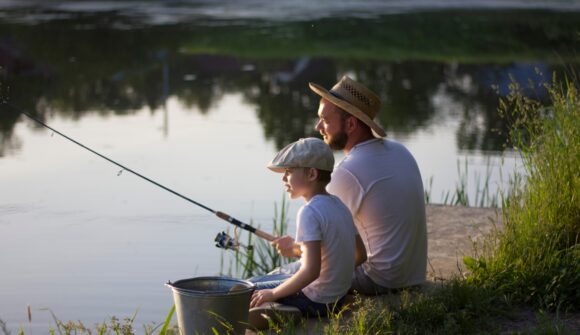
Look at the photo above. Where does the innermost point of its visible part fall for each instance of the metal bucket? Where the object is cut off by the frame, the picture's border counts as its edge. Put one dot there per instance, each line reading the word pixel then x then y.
pixel 205 304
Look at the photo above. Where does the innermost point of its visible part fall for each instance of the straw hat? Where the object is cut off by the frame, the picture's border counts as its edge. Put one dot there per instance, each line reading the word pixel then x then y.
pixel 355 99
pixel 306 152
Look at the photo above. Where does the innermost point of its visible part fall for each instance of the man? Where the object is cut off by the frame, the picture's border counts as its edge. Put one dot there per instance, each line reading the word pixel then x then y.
pixel 380 183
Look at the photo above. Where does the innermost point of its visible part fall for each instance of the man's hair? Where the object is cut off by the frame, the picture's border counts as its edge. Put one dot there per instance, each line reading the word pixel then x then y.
pixel 344 114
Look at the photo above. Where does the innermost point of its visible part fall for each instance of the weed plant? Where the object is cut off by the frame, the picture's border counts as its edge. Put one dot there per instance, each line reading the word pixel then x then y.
pixel 535 258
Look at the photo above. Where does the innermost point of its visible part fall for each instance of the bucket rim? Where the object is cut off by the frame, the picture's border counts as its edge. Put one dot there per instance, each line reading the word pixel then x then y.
pixel 185 291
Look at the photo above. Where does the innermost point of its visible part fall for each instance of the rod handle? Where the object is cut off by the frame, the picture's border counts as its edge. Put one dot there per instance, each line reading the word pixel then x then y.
pixel 264 235
pixel 245 226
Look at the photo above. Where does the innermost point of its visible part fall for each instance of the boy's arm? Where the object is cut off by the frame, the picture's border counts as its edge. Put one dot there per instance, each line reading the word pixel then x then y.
pixel 360 252
pixel 309 271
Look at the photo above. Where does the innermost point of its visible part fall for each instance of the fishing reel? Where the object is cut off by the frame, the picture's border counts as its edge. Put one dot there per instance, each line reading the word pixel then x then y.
pixel 225 241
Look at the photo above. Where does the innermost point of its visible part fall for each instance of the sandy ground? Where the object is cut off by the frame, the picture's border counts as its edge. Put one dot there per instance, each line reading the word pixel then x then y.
pixel 452 232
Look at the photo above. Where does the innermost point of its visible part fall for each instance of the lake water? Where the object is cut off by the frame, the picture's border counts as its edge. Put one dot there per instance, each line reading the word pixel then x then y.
pixel 199 96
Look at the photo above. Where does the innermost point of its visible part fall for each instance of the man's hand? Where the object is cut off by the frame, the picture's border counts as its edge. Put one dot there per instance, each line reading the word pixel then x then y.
pixel 261 296
pixel 286 246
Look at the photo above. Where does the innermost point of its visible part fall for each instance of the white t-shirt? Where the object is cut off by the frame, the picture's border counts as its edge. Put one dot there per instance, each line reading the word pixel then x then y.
pixel 379 181
pixel 325 218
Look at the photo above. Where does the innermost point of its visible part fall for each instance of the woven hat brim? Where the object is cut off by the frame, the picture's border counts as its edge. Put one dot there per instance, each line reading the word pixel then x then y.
pixel 378 131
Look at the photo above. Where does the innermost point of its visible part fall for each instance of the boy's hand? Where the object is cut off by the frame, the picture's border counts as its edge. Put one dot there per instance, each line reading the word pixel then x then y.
pixel 285 246
pixel 261 296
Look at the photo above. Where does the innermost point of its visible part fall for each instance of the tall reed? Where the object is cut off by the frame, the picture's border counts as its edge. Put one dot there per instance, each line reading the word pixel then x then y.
pixel 459 196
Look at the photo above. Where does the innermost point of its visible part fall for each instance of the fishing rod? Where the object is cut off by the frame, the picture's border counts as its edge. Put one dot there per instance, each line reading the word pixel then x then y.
pixel 223 240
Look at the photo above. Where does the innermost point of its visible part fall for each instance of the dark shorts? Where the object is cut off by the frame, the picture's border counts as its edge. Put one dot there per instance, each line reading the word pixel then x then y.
pixel 311 308
pixel 363 284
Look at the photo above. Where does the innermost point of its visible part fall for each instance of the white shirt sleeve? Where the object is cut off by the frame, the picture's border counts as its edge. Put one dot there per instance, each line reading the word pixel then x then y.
pixel 308 225
pixel 346 187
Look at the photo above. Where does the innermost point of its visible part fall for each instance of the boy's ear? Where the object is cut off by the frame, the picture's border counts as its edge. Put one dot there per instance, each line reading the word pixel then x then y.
pixel 312 174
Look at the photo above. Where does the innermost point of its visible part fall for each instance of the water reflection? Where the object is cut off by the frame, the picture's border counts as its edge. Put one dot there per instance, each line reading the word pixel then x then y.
pixel 91 62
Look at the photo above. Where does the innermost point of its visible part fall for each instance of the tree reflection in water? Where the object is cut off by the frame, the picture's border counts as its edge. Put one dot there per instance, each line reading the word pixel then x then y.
pixel 107 63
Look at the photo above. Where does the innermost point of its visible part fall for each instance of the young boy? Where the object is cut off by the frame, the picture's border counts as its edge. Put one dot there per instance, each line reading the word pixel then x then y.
pixel 326 238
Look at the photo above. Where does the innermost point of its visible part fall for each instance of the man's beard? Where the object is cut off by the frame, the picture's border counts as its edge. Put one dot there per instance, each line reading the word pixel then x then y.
pixel 338 141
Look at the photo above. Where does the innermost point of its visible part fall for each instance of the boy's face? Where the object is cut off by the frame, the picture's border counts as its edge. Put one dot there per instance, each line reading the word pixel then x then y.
pixel 297 182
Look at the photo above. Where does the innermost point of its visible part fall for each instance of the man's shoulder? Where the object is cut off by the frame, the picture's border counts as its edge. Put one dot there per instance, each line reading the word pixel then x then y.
pixel 381 149
pixel 363 153
pixel 373 161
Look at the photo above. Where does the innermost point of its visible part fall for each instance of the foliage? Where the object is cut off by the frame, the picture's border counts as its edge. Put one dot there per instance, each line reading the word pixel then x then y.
pixel 535 258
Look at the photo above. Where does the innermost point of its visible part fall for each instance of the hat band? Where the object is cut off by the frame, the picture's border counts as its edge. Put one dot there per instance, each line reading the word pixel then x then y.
pixel 336 95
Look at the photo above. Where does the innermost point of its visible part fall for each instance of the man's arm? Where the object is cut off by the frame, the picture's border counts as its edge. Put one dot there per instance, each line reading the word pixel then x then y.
pixel 360 252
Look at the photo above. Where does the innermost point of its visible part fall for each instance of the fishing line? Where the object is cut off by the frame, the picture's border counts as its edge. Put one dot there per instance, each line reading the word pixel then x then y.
pixel 219 214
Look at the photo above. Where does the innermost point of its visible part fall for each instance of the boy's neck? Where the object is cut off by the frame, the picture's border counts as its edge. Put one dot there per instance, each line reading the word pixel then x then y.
pixel 317 189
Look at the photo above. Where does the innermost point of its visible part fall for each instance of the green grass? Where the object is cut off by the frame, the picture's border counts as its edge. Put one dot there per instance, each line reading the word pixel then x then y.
pixel 452 308
pixel 535 258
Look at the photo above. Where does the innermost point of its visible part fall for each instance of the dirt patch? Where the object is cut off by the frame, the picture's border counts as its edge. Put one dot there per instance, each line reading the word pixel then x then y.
pixel 451 231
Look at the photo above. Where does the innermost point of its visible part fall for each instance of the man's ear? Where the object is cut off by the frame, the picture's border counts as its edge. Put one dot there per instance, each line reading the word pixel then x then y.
pixel 350 124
